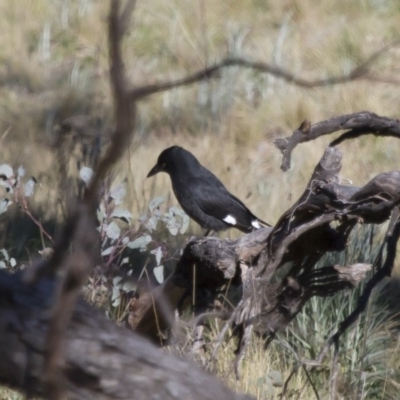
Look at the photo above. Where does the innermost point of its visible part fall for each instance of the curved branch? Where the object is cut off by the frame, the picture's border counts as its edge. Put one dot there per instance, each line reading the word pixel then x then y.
pixel 361 71
pixel 360 123
pixel 80 229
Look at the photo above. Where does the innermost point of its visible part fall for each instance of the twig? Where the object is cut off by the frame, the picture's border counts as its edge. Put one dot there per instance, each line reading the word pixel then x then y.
pixel 334 372
pixel 288 379
pixel 39 225
pixel 311 382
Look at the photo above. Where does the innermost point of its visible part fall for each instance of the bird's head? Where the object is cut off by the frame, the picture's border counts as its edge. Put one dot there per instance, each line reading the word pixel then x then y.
pixel 172 159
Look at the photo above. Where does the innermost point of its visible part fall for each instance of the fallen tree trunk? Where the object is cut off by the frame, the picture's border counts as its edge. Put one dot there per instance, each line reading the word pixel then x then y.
pixel 319 222
pixel 102 361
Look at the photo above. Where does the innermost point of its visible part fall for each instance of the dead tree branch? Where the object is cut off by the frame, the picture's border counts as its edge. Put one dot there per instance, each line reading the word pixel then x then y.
pixel 80 230
pixel 50 342
pixel 102 360
pixel 362 71
pixel 45 328
pixel 319 222
pixel 358 124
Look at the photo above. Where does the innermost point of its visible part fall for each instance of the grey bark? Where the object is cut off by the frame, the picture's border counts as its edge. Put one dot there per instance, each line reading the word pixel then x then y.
pixel 102 361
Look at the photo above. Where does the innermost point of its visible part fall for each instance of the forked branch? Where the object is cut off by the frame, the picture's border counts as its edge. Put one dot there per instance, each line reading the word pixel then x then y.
pixel 355 125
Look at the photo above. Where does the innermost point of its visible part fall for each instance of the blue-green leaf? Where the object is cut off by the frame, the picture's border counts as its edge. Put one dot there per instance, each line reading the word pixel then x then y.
pixel 6 171
pixel 124 215
pixel 86 174
pixel 4 203
pixel 112 231
pixel 118 193
pixel 156 202
pixel 140 243
pixel 159 273
pixel 29 187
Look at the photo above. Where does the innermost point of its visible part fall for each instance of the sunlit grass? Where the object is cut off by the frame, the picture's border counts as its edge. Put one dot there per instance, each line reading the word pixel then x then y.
pixel 367 367
pixel 6 394
pixel 54 65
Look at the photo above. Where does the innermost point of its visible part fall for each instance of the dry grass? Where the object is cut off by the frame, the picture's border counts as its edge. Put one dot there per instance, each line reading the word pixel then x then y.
pixel 54 65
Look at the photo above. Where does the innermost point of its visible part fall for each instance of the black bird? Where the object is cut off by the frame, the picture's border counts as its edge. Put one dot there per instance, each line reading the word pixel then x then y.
pixel 202 195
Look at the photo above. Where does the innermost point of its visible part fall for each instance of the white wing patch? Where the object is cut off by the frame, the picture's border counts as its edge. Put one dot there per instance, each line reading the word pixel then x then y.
pixel 256 224
pixel 230 220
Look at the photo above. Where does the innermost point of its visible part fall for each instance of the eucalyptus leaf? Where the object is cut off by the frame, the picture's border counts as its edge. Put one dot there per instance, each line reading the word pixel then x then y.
pixel 156 202
pixel 112 230
pixel 140 243
pixel 5 254
pixel 7 185
pixel 101 213
pixel 185 223
pixel 173 226
pixel 118 193
pixel 4 203
pixel 21 171
pixel 151 224
pixel 158 255
pixel 117 280
pixel 176 211
pixel 167 216
pixel 29 187
pixel 107 251
pixel 276 378
pixel 129 286
pixel 6 171
pixel 124 215
pixel 86 175
pixel 159 273
pixel 115 297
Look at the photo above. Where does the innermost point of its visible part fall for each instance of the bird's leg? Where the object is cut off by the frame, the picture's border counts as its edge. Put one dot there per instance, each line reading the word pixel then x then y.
pixel 209 232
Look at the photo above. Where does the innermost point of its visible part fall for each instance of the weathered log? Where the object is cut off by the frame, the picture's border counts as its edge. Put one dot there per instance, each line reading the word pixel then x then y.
pixel 320 221
pixel 102 361
pixel 357 124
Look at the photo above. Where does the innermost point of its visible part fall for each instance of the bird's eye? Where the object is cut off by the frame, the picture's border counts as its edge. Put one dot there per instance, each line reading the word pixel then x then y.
pixel 163 165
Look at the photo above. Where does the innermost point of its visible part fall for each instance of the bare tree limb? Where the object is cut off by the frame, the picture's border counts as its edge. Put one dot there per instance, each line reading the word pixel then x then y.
pixel 358 124
pixel 300 237
pixel 80 229
pixel 102 360
pixel 45 327
pixel 126 15
pixel 76 267
pixel 359 72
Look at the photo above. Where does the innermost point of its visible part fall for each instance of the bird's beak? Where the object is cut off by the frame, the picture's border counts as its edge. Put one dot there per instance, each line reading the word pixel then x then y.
pixel 155 170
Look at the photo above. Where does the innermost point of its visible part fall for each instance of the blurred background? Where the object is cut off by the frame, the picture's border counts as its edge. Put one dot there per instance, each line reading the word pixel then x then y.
pixel 56 105
pixel 54 67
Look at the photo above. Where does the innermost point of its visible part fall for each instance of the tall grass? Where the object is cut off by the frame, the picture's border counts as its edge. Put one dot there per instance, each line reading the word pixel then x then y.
pixel 54 65
pixel 368 367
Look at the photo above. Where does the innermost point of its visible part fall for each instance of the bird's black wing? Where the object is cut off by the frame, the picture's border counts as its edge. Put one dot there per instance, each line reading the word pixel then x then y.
pixel 214 199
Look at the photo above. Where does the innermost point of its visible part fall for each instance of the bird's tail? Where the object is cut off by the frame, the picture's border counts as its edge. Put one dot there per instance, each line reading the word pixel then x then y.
pixel 256 223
